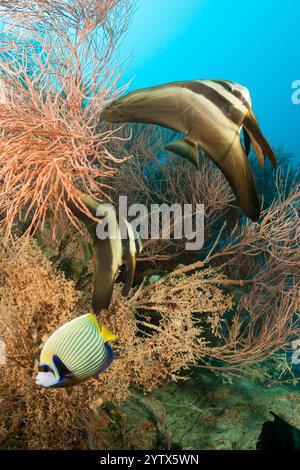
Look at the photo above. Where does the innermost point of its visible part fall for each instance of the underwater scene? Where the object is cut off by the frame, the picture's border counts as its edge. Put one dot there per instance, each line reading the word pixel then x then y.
pixel 149 225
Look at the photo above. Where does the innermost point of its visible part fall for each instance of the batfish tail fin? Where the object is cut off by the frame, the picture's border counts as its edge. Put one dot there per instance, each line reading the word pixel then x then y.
pixel 260 144
pixel 185 148
pixel 236 168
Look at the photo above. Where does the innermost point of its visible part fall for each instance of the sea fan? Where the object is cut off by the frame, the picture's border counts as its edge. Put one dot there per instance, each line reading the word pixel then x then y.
pixel 58 70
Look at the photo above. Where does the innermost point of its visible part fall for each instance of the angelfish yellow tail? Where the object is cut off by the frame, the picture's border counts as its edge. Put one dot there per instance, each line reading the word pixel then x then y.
pixel 107 335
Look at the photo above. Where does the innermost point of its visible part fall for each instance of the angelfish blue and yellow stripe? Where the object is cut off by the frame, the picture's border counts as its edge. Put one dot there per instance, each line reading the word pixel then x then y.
pixel 77 351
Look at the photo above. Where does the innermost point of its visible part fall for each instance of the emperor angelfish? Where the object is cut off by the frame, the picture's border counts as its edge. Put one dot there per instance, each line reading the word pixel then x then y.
pixel 212 114
pixel 75 352
pixel 120 246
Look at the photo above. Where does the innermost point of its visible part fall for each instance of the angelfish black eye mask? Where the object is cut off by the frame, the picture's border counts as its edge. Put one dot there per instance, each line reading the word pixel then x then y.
pixel 61 368
pixel 45 368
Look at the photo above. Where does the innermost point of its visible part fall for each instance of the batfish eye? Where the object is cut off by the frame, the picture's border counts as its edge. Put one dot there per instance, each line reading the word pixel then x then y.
pixel 45 368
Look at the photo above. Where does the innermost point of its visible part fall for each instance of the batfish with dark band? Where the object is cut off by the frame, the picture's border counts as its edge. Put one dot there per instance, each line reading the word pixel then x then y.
pixel 212 114
pixel 115 250
pixel 278 435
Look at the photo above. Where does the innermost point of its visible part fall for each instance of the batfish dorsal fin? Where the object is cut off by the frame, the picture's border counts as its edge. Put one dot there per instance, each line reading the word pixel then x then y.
pixel 251 125
pixel 185 148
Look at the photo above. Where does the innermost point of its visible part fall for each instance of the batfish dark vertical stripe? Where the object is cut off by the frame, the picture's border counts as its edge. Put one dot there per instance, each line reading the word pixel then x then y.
pixel 228 109
pixel 236 93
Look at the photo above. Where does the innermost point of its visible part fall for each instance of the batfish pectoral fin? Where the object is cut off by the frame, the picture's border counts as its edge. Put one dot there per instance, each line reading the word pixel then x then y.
pixel 130 266
pixel 185 148
pixel 260 144
pixel 234 164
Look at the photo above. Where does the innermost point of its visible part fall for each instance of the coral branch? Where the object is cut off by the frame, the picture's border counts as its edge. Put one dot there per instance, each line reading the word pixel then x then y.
pixel 59 68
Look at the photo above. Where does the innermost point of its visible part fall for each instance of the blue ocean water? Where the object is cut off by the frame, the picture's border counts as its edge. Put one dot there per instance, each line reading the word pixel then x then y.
pixel 255 43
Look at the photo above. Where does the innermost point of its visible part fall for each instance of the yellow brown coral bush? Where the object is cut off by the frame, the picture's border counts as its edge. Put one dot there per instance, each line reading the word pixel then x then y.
pixel 164 328
pixel 34 301
pixel 159 336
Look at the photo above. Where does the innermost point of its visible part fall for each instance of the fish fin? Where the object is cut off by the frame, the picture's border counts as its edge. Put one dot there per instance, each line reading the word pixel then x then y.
pixel 110 356
pixel 105 273
pixel 185 148
pixel 92 319
pixel 102 293
pixel 236 168
pixel 132 246
pixel 251 125
pixel 278 435
pixel 257 149
pixel 107 335
pixel 247 142
pixel 138 246
pixel 130 266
